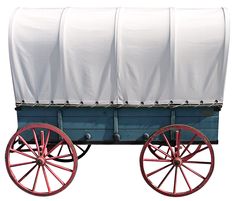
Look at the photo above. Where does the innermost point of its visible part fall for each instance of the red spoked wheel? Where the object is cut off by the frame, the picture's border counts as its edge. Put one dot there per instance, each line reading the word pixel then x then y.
pixel 182 166
pixel 28 162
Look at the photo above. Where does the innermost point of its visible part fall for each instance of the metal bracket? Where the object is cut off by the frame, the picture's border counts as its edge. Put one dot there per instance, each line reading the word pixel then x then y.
pixel 116 135
pixel 60 120
pixel 173 118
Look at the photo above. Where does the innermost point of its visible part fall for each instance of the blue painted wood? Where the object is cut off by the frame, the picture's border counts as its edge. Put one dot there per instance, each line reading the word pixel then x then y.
pixel 133 123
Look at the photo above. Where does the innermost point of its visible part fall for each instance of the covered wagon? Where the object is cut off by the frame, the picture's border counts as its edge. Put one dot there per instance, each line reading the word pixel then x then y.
pixel 116 76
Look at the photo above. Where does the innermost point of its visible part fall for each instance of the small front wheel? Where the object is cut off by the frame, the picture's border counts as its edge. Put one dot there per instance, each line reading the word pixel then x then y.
pixel 28 162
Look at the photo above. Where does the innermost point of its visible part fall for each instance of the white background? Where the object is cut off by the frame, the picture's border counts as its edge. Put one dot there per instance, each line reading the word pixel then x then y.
pixel 112 172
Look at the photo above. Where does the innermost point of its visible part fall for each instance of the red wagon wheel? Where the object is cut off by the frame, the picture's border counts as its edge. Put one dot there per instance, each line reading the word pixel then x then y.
pixel 187 160
pixel 28 162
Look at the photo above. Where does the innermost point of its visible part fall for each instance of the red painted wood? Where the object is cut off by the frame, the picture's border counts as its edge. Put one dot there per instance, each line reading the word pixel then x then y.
pixel 178 161
pixel 38 155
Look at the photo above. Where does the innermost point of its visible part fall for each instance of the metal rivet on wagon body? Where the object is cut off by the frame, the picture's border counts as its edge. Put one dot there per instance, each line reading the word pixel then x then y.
pixel 87 136
pixel 146 136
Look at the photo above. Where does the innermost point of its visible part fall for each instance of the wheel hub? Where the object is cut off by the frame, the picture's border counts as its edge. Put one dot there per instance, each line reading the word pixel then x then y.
pixel 177 161
pixel 40 161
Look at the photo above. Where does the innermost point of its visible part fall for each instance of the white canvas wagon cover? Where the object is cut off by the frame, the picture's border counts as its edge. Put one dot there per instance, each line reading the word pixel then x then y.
pixel 118 55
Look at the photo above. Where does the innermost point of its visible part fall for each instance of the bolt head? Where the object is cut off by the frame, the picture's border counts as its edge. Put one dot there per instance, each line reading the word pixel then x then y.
pixel 177 162
pixel 40 161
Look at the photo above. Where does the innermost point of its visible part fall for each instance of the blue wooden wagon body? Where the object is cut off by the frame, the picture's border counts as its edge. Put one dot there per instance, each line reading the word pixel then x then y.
pixel 126 125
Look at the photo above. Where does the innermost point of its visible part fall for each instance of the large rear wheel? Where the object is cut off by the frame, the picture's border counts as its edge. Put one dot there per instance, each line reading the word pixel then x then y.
pixel 180 166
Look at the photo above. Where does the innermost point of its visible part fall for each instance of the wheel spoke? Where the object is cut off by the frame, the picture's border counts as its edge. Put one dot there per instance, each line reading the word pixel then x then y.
pixel 188 145
pixel 198 162
pixel 165 177
pixel 193 171
pixel 58 144
pixel 46 179
pixel 194 153
pixel 79 147
pixel 165 138
pixel 20 147
pixel 158 170
pixel 61 147
pixel 27 145
pixel 20 164
pixel 53 173
pixel 26 150
pixel 13 144
pixel 36 141
pixel 175 180
pixel 156 160
pixel 59 166
pixel 22 153
pixel 167 152
pixel 163 152
pixel 187 149
pixel 27 173
pixel 36 178
pixel 185 178
pixel 48 137
pixel 157 148
pixel 56 157
pixel 153 150
pixel 70 150
pixel 46 143
pixel 42 138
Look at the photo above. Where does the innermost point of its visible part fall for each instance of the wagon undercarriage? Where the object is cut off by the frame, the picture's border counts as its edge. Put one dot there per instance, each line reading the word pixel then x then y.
pixel 169 144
